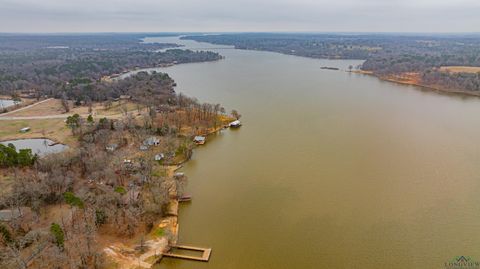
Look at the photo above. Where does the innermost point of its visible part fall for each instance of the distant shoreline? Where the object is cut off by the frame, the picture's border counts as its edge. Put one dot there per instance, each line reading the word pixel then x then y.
pixel 432 88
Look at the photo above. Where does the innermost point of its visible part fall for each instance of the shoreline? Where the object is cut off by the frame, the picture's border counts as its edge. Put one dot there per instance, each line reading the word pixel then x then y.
pixel 55 141
pixel 430 88
pixel 168 223
pixel 129 72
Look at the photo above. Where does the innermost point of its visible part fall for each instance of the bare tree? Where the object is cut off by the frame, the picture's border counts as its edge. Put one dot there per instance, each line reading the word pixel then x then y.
pixel 65 104
pixel 236 115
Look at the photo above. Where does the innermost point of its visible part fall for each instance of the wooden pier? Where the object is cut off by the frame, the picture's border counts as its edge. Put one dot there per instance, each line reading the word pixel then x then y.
pixel 204 258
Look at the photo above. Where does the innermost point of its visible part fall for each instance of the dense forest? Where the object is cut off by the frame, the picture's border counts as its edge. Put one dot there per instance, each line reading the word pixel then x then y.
pixel 385 55
pixel 143 86
pixel 54 65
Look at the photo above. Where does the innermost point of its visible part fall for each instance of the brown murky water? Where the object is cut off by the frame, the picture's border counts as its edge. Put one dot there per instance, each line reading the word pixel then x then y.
pixel 330 170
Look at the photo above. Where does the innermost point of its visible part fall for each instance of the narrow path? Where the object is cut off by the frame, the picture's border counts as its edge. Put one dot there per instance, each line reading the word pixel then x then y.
pixel 25 107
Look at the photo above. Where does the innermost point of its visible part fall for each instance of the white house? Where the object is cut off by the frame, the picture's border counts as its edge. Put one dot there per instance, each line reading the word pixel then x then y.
pixel 159 157
pixel 151 141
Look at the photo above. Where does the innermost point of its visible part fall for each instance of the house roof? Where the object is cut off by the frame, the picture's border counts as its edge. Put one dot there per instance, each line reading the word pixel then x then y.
pixel 113 146
pixel 151 140
pixel 199 138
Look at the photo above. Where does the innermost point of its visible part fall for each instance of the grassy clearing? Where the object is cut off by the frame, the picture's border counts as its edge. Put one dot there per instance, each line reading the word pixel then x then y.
pixel 54 129
pixel 460 69
pixel 50 107
pixel 159 171
pixel 54 107
pixel 158 232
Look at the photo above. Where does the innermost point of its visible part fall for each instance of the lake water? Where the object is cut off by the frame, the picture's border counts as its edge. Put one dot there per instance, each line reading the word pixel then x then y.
pixel 4 103
pixel 39 146
pixel 329 170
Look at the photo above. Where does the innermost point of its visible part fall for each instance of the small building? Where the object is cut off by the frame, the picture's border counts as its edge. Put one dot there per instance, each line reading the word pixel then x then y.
pixel 199 140
pixel 179 175
pixel 25 129
pixel 151 141
pixel 235 124
pixel 143 148
pixel 125 97
pixel 159 157
pixel 111 147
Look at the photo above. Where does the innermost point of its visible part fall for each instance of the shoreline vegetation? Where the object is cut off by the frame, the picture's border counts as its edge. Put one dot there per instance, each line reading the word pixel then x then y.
pixel 408 80
pixel 111 199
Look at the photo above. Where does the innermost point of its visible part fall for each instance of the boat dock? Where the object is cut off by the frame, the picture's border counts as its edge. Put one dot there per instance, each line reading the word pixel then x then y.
pixel 204 258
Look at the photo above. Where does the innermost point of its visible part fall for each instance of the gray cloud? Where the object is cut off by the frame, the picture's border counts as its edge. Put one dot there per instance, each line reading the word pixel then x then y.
pixel 239 15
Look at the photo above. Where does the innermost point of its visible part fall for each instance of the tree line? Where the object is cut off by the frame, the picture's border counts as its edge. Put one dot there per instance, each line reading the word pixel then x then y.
pixel 52 65
pixel 10 157
pixel 384 54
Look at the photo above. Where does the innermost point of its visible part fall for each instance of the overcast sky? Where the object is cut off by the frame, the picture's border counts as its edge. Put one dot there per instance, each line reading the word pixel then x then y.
pixel 239 15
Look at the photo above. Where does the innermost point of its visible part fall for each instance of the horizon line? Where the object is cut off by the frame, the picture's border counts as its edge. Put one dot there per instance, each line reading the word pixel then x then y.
pixel 241 32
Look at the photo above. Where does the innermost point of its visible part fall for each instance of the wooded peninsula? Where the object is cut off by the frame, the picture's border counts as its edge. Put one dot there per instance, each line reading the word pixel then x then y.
pixel 110 200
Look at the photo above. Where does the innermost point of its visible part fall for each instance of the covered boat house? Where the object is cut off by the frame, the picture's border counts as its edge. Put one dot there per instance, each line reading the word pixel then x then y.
pixel 199 140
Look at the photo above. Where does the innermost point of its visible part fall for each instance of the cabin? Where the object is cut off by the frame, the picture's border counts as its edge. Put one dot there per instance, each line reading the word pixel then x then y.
pixel 25 129
pixel 235 124
pixel 199 140
pixel 151 141
pixel 159 157
pixel 111 147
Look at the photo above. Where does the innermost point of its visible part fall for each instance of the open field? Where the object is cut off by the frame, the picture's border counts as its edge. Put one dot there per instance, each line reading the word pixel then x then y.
pixel 54 129
pixel 460 69
pixel 54 107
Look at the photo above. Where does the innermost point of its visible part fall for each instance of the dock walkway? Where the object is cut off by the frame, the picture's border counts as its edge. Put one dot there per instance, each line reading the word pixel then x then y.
pixel 204 258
